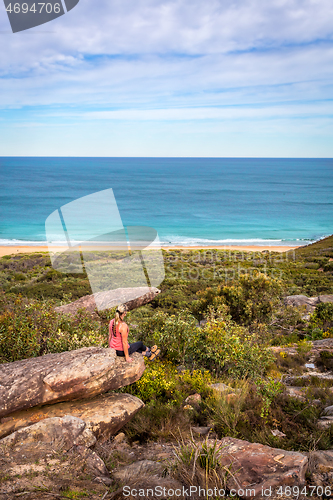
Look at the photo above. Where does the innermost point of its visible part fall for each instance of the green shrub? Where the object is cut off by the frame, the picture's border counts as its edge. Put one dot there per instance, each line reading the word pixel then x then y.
pixel 314 333
pixel 24 328
pixel 33 328
pixel 254 299
pixel 175 335
pixel 328 267
pixel 19 277
pixel 161 380
pixel 324 312
pixel 51 275
pixel 158 381
pixel 250 299
pixel 222 345
pixel 75 333
pixel 269 389
pixel 320 322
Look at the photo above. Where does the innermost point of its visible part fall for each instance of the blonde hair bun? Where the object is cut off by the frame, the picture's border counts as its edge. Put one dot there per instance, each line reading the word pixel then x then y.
pixel 121 308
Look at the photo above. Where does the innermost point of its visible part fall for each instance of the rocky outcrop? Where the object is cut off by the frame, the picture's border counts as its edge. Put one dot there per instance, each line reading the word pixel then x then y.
pixel 65 376
pixel 111 298
pixel 104 415
pixel 310 303
pixel 325 298
pixel 302 300
pixel 48 445
pixel 255 467
pixel 48 450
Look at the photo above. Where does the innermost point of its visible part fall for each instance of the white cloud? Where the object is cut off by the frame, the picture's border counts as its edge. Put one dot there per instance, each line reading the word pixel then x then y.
pixel 225 113
pixel 171 60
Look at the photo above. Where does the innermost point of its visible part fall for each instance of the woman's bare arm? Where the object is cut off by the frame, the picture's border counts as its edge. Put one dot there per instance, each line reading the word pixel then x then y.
pixel 123 328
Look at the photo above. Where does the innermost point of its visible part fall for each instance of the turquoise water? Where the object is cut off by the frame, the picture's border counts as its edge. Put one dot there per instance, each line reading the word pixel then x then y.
pixel 187 200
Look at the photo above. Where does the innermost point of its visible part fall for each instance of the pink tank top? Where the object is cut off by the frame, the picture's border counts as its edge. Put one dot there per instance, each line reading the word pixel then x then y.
pixel 115 341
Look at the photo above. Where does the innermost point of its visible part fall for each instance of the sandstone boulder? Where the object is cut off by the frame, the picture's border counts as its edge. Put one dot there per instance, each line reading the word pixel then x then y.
pixel 221 387
pixel 111 298
pixel 50 455
pixel 255 467
pixel 193 399
pixel 328 411
pixel 201 431
pixel 310 303
pixel 296 392
pixel 322 344
pixel 104 415
pixel 57 434
pixel 321 461
pixel 325 298
pixel 325 422
pixel 94 463
pixel 65 376
pixel 302 300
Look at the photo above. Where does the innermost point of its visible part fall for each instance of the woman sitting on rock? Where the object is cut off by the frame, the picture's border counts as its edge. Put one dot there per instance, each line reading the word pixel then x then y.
pixel 118 334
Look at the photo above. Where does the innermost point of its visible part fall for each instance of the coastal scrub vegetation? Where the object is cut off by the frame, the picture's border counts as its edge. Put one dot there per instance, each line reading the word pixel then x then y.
pixel 225 334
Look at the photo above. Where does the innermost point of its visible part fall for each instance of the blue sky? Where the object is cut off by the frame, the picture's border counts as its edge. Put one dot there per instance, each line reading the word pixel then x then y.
pixel 171 78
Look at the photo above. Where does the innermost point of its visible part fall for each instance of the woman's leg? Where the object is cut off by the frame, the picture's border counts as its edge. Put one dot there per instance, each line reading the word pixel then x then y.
pixel 137 347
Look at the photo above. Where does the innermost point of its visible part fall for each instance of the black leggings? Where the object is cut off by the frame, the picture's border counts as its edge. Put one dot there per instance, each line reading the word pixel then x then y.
pixel 135 347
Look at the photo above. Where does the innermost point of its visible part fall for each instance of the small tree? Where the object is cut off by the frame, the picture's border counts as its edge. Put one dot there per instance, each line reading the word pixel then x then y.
pixel 177 336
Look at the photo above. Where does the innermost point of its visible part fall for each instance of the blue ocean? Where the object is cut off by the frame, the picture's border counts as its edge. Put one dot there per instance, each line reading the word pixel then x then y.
pixel 189 201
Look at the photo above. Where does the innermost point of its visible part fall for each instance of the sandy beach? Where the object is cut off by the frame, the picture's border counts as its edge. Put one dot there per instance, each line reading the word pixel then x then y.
pixel 15 250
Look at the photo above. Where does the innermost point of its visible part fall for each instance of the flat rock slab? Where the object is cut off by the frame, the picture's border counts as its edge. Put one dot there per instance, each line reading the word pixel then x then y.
pixel 324 343
pixel 111 298
pixel 66 376
pixel 255 467
pixel 104 415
